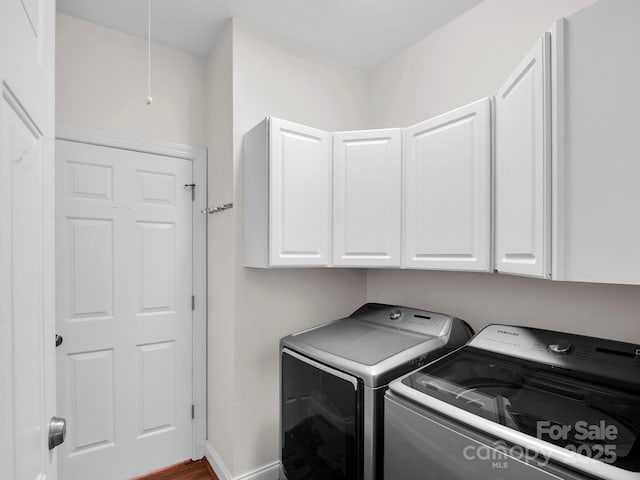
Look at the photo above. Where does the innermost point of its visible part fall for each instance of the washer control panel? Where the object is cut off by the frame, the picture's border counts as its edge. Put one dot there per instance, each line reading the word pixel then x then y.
pixel 564 350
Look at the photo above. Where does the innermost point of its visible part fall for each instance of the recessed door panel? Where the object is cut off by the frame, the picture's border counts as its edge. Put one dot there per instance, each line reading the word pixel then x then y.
pixel 157 266
pixel 91 268
pixel 27 27
pixel 90 181
pixel 447 190
pixel 156 369
pixel 299 194
pixel 91 423
pixel 367 180
pixel 32 10
pixel 523 167
pixel 154 187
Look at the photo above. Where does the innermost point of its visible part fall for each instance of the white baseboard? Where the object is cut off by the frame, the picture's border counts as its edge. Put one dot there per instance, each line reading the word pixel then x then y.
pixel 216 462
pixel 268 472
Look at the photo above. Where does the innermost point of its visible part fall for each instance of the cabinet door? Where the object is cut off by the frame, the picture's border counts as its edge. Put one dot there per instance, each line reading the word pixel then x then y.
pixel 367 180
pixel 596 232
pixel 447 185
pixel 299 195
pixel 523 167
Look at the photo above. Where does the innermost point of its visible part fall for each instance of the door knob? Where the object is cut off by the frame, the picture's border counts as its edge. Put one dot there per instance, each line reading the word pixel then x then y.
pixel 57 431
pixel 59 340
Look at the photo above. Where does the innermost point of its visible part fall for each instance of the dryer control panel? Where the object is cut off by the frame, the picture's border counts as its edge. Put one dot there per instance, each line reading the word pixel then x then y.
pixel 404 318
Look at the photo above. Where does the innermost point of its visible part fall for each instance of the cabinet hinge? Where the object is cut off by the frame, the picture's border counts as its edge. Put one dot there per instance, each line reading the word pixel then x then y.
pixel 193 412
pixel 193 303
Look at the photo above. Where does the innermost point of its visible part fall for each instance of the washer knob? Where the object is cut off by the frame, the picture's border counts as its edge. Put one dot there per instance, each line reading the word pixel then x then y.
pixel 560 347
pixel 395 315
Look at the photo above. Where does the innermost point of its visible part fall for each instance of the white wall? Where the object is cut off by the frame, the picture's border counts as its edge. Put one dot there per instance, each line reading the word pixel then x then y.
pixel 467 59
pixel 463 61
pixel 101 82
pixel 221 249
pixel 269 78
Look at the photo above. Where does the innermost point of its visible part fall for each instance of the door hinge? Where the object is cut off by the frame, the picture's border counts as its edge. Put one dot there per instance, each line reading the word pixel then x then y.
pixel 193 412
pixel 192 186
pixel 193 303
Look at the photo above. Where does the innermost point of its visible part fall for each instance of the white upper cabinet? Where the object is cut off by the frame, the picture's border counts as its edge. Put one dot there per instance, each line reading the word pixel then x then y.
pixel 522 167
pixel 447 190
pixel 367 210
pixel 287 185
pixel 596 235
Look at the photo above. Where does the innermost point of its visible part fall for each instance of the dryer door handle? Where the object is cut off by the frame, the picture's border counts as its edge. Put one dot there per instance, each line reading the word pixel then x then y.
pixel 324 368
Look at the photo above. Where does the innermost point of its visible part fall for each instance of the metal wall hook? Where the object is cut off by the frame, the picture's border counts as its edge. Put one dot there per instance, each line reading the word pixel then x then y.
pixel 219 208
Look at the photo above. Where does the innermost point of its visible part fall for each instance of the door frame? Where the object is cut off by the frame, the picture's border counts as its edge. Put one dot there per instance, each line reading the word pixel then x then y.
pixel 198 157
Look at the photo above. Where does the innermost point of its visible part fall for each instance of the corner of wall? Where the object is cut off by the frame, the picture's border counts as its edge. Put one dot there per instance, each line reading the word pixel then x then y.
pixel 221 254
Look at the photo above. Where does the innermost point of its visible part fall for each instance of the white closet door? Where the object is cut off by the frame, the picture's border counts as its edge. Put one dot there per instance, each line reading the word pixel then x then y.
pixel 523 167
pixel 299 186
pixel 27 296
pixel 367 213
pixel 447 188
pixel 124 232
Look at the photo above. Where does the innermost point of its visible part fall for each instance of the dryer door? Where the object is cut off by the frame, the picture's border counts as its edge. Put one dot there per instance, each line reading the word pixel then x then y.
pixel 321 420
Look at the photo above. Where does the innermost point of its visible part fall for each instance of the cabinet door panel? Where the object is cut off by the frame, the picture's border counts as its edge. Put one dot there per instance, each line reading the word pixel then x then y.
pixel 300 185
pixel 523 167
pixel 367 221
pixel 447 190
pixel 27 30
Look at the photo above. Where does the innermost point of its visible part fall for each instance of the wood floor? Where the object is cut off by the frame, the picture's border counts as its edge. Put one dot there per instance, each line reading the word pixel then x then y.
pixel 191 470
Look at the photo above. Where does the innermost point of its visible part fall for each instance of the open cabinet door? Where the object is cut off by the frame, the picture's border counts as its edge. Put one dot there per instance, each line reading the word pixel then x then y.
pixel 27 310
pixel 523 167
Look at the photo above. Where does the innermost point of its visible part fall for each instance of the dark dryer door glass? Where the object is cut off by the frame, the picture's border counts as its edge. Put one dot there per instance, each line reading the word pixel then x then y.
pixel 321 421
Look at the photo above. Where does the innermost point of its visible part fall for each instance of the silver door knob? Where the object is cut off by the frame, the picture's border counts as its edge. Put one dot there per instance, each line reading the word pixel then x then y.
pixel 57 431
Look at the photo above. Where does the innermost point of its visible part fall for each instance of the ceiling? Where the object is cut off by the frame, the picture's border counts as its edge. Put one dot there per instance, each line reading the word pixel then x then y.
pixel 361 33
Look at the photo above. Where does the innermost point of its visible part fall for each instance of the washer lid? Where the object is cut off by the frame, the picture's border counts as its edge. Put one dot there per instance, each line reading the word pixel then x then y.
pixel 358 341
pixel 541 407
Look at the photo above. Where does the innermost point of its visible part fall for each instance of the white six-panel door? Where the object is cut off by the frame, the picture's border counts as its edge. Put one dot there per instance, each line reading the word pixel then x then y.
pixel 523 167
pixel 447 190
pixel 124 259
pixel 27 312
pixel 367 200
pixel 299 194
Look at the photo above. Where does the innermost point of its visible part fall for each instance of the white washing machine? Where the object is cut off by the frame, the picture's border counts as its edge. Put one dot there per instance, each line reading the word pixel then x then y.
pixel 333 379
pixel 518 404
